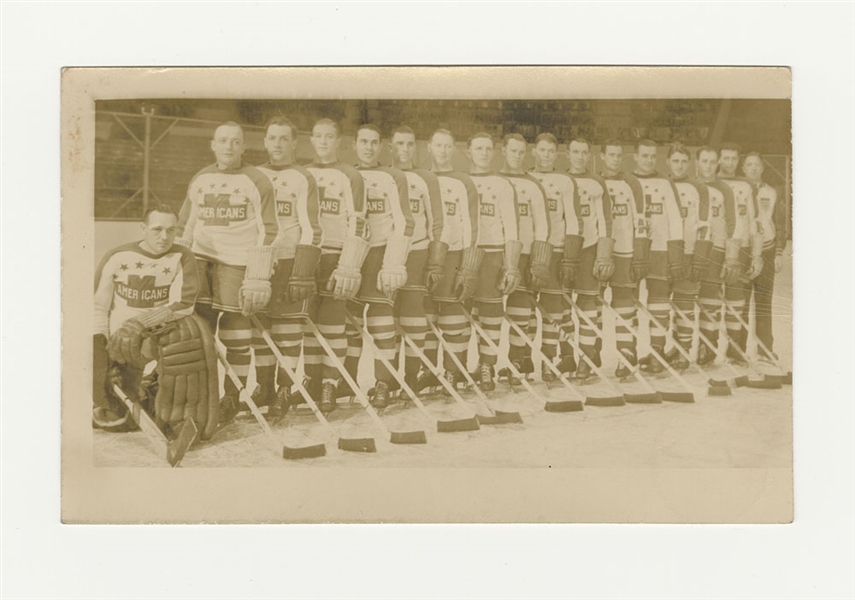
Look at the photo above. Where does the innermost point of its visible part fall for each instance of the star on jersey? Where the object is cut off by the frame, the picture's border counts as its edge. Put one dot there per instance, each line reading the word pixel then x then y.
pixel 139 265
pixel 124 267
pixel 167 270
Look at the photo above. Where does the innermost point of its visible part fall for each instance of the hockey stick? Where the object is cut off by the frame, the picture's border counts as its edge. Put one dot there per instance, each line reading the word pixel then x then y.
pixel 497 417
pixel 246 398
pixel 434 370
pixel 313 451
pixel 718 387
pixel 172 450
pixel 653 396
pixel 714 389
pixel 493 345
pixel 769 382
pixel 689 395
pixel 395 437
pixel 552 405
pixel 468 424
pixel 785 376
pixel 617 400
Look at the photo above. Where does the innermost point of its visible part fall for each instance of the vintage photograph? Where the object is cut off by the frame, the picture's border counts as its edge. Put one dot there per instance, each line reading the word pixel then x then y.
pixel 573 277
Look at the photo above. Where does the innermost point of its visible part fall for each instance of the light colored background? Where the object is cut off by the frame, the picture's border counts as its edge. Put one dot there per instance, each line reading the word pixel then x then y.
pixel 810 558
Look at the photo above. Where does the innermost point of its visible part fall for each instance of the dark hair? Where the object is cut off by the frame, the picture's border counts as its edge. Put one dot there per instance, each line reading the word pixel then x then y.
pixel 230 124
pixel 705 149
pixel 647 143
pixel 441 131
pixel 161 208
pixel 546 137
pixel 752 153
pixel 513 136
pixel 479 135
pixel 677 147
pixel 282 121
pixel 579 140
pixel 403 129
pixel 326 121
pixel 611 142
pixel 730 146
pixel 369 127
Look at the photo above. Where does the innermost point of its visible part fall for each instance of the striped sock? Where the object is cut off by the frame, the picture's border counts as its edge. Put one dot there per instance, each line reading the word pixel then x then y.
pixel 411 317
pixel 490 315
pixel 381 327
pixel 456 331
pixel 551 303
pixel 236 334
pixel 518 310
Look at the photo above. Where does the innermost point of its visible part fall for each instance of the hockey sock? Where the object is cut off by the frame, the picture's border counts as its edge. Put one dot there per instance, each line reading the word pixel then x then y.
pixel 381 327
pixel 567 330
pixel 623 301
pixel 331 325
pixel 587 336
pixel 431 347
pixel 685 322
pixel 236 334
pixel 354 339
pixel 709 300
pixel 734 298
pixel 410 310
pixel 518 309
pixel 287 335
pixel 490 315
pixel 210 314
pixel 455 330
pixel 265 361
pixel 551 303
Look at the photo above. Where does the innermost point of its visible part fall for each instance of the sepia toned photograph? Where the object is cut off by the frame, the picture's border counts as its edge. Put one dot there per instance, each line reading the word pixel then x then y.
pixel 580 280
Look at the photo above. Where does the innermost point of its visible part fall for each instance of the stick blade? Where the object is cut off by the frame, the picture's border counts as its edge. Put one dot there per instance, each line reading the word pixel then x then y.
pixel 315 451
pixel 605 401
pixel 765 384
pixel 408 437
pixel 648 398
pixel 685 397
pixel 357 444
pixel 788 378
pixel 500 418
pixel 176 448
pixel 563 406
pixel 470 424
pixel 719 390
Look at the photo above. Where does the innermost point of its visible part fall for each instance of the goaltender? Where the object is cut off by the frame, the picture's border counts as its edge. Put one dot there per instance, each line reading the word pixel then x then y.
pixel 144 297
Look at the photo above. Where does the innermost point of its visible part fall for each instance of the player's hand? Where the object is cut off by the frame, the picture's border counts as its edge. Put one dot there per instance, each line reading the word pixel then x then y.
pixel 390 279
pixel 604 269
pixel 779 263
pixel 640 269
pixel 569 270
pixel 756 267
pixel 465 285
pixel 679 271
pixel 344 283
pixel 253 296
pixel 730 271
pixel 126 343
pixel 300 289
pixel 539 276
pixel 510 281
pixel 433 277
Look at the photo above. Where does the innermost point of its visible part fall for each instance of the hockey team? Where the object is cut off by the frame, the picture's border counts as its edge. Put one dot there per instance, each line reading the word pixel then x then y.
pixel 281 262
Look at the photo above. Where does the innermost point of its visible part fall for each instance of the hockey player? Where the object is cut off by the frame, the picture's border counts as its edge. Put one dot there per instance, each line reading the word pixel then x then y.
pixel 298 250
pixel 536 250
pixel 743 252
pixel 341 195
pixel 631 249
pixel 589 267
pixel 562 203
pixel 139 287
pixel 229 222
pixel 390 227
pixel 722 223
pixel 694 207
pixel 459 278
pixel 771 214
pixel 427 251
pixel 667 255
pixel 498 236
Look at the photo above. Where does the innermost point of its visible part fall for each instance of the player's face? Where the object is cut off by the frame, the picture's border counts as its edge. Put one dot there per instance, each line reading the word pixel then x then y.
pixel 728 161
pixel 578 153
pixel 514 152
pixel 441 150
pixel 367 146
pixel 481 153
pixel 753 167
pixel 545 154
pixel 159 232
pixel 612 158
pixel 325 142
pixel 707 163
pixel 645 160
pixel 228 146
pixel 679 164
pixel 280 143
pixel 404 148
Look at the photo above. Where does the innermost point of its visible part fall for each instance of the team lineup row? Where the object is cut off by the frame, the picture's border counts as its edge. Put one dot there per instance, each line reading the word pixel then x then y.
pixel 281 261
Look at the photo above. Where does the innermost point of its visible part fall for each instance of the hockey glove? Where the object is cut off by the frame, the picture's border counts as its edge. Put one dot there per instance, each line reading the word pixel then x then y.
pixel 732 268
pixel 641 258
pixel 126 344
pixel 701 260
pixel 779 262
pixel 511 275
pixel 437 252
pixel 570 262
pixel 678 267
pixel 756 250
pixel 302 285
pixel 604 264
pixel 254 293
pixel 393 273
pixel 347 277
pixel 541 254
pixel 466 281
